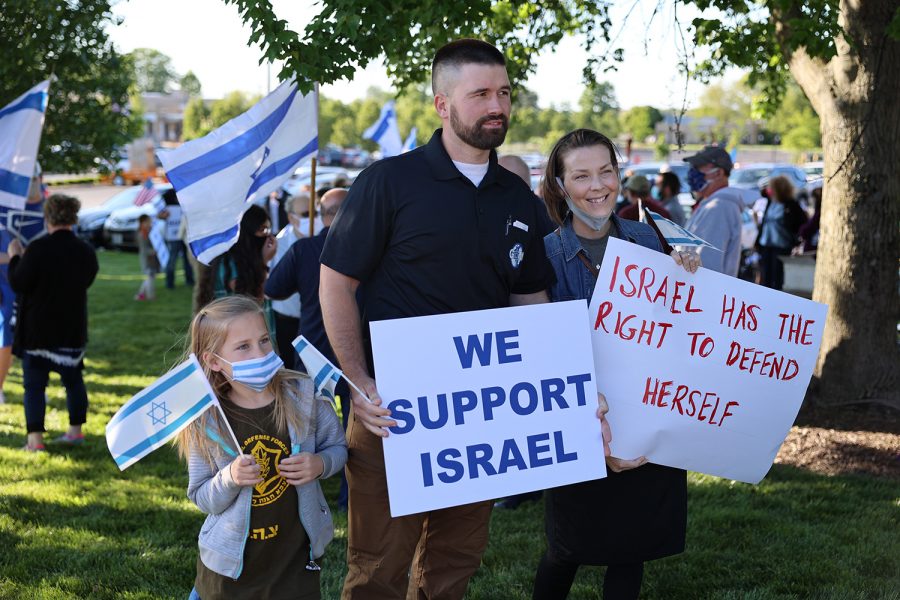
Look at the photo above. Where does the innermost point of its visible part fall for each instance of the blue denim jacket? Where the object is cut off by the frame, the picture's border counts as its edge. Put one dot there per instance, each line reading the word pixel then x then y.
pixel 573 280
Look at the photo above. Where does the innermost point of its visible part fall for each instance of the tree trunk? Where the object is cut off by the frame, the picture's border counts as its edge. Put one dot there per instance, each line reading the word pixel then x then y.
pixel 857 97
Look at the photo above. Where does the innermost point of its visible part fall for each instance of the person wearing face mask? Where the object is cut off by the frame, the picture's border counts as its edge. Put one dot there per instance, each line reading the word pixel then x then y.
pixel 287 310
pixel 717 214
pixel 268 522
pixel 298 274
pixel 639 511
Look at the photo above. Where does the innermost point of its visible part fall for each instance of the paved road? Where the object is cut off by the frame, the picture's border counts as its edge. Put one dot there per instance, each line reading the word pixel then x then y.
pixel 91 195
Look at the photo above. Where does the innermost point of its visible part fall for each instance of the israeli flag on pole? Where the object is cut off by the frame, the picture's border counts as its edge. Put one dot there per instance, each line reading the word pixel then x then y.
pixel 158 413
pixel 21 122
pixel 217 177
pixel 324 374
pixel 410 142
pixel 385 132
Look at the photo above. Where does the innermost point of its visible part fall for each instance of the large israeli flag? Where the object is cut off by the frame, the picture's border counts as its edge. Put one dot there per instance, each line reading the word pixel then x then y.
pixel 21 122
pixel 158 413
pixel 217 177
pixel 385 132
pixel 324 374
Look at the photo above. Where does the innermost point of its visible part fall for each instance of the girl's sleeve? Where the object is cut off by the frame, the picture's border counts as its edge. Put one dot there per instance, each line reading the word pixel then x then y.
pixel 212 491
pixel 331 445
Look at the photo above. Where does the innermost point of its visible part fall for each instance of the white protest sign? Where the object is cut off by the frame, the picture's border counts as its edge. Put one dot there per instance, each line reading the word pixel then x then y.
pixel 488 404
pixel 701 371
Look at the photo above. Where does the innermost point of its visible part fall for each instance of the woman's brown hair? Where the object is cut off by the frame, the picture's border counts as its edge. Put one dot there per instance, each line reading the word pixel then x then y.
pixel 553 195
pixel 782 189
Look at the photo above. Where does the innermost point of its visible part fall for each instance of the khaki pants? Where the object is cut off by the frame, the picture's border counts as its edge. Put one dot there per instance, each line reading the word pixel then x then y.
pixel 417 557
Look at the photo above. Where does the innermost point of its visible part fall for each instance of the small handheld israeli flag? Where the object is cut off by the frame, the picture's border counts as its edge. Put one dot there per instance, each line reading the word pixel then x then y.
pixel 218 176
pixel 324 374
pixel 672 233
pixel 156 414
pixel 21 122
pixel 385 132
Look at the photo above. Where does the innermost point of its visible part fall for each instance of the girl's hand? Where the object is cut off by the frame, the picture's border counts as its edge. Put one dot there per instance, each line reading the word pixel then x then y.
pixel 245 470
pixel 298 469
pixel 689 260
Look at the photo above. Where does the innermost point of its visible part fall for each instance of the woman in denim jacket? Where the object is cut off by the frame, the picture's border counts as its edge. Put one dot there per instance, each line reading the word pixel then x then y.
pixel 267 520
pixel 639 511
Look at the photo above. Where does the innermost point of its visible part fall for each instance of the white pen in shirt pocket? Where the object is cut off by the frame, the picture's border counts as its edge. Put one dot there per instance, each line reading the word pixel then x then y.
pixel 521 225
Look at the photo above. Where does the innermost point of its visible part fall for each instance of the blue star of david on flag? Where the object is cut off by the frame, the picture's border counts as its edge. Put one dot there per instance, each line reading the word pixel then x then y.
pixel 159 412
pixel 172 402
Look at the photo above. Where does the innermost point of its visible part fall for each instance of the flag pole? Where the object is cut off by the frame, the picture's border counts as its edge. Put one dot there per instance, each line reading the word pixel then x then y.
pixel 312 176
pixel 645 218
pixel 312 199
pixel 215 397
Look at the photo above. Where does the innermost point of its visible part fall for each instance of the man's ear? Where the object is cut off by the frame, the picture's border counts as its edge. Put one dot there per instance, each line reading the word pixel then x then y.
pixel 442 106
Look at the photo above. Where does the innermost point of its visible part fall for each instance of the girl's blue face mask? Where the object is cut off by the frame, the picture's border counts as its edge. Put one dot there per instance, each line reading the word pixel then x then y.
pixel 696 179
pixel 255 373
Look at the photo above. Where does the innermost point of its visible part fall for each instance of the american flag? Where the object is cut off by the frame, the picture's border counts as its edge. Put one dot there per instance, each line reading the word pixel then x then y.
pixel 147 193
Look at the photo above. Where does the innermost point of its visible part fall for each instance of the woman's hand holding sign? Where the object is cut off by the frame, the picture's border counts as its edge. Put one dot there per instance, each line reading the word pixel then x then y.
pixel 616 465
pixel 687 259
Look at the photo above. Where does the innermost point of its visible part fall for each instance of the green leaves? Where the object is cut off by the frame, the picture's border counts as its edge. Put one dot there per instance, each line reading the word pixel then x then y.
pixel 87 117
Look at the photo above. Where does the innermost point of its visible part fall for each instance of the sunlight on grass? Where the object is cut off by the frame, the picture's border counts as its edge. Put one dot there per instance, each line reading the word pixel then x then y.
pixel 73 526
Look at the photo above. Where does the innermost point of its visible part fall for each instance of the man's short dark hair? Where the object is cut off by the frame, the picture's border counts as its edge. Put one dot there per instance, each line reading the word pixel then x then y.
pixel 463 52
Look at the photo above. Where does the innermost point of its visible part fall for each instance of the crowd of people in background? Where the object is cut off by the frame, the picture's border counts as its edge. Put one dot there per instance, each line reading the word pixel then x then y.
pixel 380 251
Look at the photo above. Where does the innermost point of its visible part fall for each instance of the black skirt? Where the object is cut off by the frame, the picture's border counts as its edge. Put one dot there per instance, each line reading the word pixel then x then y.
pixel 628 517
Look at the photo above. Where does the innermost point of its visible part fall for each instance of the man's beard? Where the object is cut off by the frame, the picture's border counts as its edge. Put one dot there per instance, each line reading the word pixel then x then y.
pixel 476 136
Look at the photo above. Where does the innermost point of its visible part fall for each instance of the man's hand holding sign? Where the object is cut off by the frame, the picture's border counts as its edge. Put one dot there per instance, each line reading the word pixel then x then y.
pixel 704 372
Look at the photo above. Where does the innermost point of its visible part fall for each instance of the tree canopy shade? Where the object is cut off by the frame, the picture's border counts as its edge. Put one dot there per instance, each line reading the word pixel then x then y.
pixel 87 116
pixel 844 55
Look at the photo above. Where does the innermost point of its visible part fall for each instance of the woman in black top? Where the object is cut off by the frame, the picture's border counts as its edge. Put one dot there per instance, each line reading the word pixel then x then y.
pixel 51 279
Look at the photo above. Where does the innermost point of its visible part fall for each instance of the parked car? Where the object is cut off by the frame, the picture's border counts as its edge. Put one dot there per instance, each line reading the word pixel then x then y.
pixel 120 227
pixel 325 176
pixel 749 177
pixel 813 170
pixel 91 220
pixel 330 155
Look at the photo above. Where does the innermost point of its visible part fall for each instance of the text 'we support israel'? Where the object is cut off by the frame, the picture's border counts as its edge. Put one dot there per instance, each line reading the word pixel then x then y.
pixel 450 465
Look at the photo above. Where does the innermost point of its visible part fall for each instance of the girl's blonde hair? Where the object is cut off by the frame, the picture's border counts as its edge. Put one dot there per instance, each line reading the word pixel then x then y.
pixel 209 329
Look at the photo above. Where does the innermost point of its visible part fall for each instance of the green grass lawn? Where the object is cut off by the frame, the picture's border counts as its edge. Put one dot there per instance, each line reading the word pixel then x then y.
pixel 73 526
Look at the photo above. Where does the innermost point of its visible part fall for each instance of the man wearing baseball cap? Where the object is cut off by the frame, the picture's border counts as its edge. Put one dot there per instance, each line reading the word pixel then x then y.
pixel 717 216
pixel 637 187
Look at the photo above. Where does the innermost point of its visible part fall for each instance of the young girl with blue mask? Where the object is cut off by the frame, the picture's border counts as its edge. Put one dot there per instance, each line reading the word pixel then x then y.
pixel 267 521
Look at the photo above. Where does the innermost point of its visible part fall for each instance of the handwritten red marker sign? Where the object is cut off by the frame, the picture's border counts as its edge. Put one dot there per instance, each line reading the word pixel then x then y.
pixel 701 371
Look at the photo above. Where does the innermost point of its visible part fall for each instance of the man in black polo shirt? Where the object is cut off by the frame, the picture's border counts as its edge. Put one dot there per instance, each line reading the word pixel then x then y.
pixel 436 230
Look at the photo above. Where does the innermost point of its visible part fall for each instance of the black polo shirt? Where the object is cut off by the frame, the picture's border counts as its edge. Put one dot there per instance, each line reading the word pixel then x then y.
pixel 423 240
